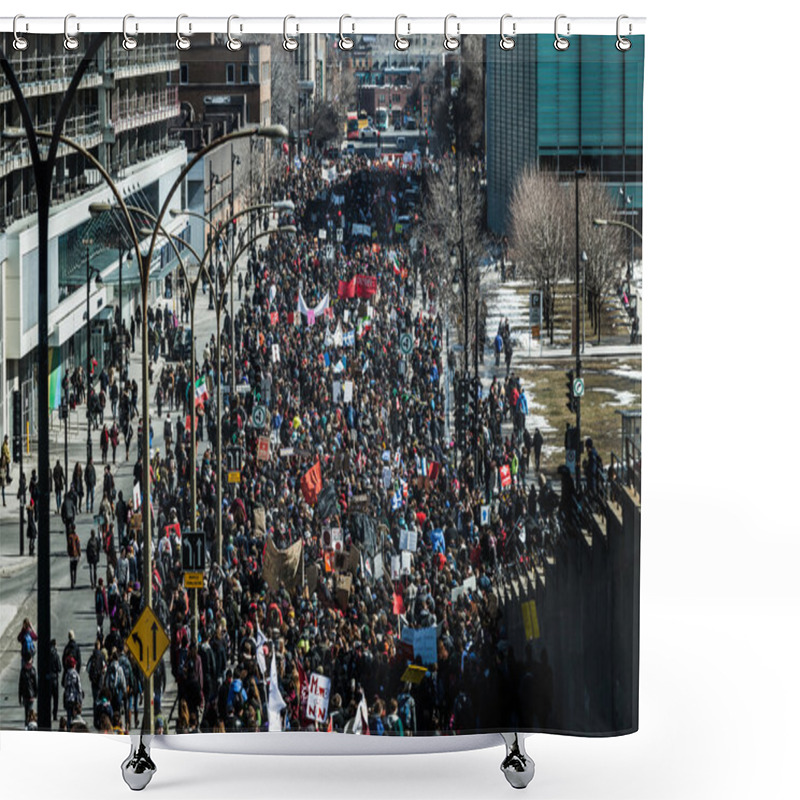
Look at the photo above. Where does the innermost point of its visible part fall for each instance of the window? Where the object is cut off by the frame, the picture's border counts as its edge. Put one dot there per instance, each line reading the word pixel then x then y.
pixel 230 73
pixel 184 75
pixel 245 73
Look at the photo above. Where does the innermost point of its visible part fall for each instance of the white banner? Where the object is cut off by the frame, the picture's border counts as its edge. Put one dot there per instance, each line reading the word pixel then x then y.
pixel 319 692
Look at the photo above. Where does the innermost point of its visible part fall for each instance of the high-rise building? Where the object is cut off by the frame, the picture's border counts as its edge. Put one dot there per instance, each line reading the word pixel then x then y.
pixel 563 110
pixel 120 114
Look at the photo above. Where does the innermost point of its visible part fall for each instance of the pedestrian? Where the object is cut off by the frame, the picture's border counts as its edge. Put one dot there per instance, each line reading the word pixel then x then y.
pixel 77 485
pixel 73 691
pixel 68 510
pixel 104 442
pixel 114 436
pixel 5 467
pixel 498 348
pixel 55 671
pixel 74 553
pixel 90 479
pixel 538 441
pixel 28 688
pixel 93 557
pixel 32 530
pixel 59 480
pixel 72 648
pixel 100 605
pixel 96 668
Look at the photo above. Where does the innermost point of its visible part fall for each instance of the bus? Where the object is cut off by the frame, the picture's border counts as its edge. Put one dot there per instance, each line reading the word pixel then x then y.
pixel 363 120
pixel 382 119
pixel 352 125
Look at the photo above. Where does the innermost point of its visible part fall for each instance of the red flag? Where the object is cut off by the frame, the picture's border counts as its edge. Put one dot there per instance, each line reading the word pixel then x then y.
pixel 398 606
pixel 311 484
pixel 273 317
pixel 366 285
pixel 347 289
pixel 433 470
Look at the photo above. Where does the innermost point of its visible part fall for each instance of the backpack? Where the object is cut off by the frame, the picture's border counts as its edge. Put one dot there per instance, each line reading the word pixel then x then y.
pixel 405 710
pixel 28 646
pixel 115 679
pixel 95 668
pixel 72 688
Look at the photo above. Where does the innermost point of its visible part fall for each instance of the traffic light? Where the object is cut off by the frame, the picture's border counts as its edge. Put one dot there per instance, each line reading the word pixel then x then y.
pixel 572 401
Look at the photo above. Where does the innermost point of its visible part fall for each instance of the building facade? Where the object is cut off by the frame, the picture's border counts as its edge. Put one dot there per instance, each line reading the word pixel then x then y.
pixel 563 110
pixel 120 114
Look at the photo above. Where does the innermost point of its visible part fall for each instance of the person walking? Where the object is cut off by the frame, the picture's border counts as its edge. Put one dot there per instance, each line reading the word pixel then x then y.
pixel 93 557
pixel 32 530
pixel 55 671
pixel 74 553
pixel 90 479
pixel 538 441
pixel 104 442
pixel 28 687
pixel 5 467
pixel 59 480
pixel 77 485
pixel 73 691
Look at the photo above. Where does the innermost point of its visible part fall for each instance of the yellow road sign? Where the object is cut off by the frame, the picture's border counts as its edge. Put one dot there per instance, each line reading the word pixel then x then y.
pixel 147 642
pixel 234 477
pixel 193 580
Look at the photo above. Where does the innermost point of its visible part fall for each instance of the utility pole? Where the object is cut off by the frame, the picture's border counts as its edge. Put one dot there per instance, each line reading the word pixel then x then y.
pixel 579 173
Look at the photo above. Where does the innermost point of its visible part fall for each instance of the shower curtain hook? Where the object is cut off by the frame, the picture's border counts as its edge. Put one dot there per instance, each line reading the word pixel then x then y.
pixel 623 44
pixel 233 44
pixel 128 42
pixel 451 42
pixel 345 42
pixel 20 42
pixel 70 42
pixel 182 43
pixel 561 43
pixel 507 42
pixel 400 42
pixel 289 42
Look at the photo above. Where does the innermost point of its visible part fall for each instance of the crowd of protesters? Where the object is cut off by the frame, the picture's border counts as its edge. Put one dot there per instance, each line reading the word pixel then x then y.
pixel 340 397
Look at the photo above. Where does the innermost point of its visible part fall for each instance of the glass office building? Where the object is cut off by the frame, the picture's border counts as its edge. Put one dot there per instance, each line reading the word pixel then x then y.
pixel 563 110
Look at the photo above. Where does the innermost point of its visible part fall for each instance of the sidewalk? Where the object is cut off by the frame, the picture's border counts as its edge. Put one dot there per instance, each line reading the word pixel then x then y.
pixel 11 563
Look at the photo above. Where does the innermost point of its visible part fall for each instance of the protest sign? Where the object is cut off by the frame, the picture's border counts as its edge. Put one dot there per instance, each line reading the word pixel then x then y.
pixel 408 540
pixel 319 692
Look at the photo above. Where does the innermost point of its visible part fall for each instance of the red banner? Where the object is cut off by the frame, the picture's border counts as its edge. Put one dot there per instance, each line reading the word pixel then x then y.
pixel 311 484
pixel 347 289
pixel 366 285
pixel 262 454
pixel 505 476
pixel 273 317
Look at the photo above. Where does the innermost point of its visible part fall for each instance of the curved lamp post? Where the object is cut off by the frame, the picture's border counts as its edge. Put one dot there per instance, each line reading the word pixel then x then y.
pixel 144 262
pixel 218 292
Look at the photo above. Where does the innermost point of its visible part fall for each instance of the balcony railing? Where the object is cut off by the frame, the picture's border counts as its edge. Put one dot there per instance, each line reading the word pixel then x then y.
pixel 46 74
pixel 143 109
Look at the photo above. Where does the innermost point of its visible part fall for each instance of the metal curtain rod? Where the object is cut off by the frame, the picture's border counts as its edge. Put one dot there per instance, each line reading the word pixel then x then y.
pixel 347 25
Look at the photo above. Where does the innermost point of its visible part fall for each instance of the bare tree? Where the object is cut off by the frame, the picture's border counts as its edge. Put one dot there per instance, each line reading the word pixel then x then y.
pixel 540 236
pixel 453 213
pixel 604 246
pixel 542 213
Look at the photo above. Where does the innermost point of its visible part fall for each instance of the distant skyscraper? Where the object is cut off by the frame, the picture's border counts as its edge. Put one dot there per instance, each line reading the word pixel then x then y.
pixel 560 110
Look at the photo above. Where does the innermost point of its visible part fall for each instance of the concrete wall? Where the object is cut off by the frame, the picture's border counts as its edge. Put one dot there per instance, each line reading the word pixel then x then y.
pixel 588 610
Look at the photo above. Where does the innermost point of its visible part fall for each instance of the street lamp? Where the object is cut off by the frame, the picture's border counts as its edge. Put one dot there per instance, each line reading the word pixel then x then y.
pixel 144 261
pixel 90 271
pixel 217 294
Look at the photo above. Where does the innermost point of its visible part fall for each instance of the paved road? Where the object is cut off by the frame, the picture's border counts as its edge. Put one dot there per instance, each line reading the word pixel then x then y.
pixel 71 609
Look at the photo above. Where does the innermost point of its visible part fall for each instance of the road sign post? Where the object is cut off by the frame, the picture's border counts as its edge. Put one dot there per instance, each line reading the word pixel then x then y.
pixel 147 642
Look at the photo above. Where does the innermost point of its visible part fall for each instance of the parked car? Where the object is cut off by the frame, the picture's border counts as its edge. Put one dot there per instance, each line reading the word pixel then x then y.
pixel 400 143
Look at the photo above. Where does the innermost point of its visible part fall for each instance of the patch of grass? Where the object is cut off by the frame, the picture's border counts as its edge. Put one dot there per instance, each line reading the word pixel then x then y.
pixel 606 393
